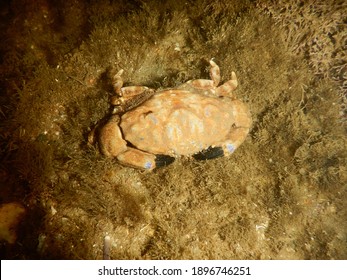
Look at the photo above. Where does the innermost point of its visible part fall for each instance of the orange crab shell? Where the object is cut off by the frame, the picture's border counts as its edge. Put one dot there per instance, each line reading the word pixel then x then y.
pixel 199 118
pixel 179 122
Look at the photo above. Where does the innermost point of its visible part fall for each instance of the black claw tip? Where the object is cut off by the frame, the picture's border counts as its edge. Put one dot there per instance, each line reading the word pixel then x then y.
pixel 163 160
pixel 209 153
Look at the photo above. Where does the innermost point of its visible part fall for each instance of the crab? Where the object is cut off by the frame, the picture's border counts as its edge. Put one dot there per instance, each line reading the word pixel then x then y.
pixel 198 119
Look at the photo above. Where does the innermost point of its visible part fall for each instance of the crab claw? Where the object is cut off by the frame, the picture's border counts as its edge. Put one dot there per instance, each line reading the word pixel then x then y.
pixel 111 141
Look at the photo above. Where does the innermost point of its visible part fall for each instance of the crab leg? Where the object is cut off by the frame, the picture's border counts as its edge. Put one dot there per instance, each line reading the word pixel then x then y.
pixel 214 73
pixel 127 93
pixel 128 97
pixel 199 84
pixel 204 83
pixel 123 104
pixel 226 88
pixel 117 81
pixel 211 86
